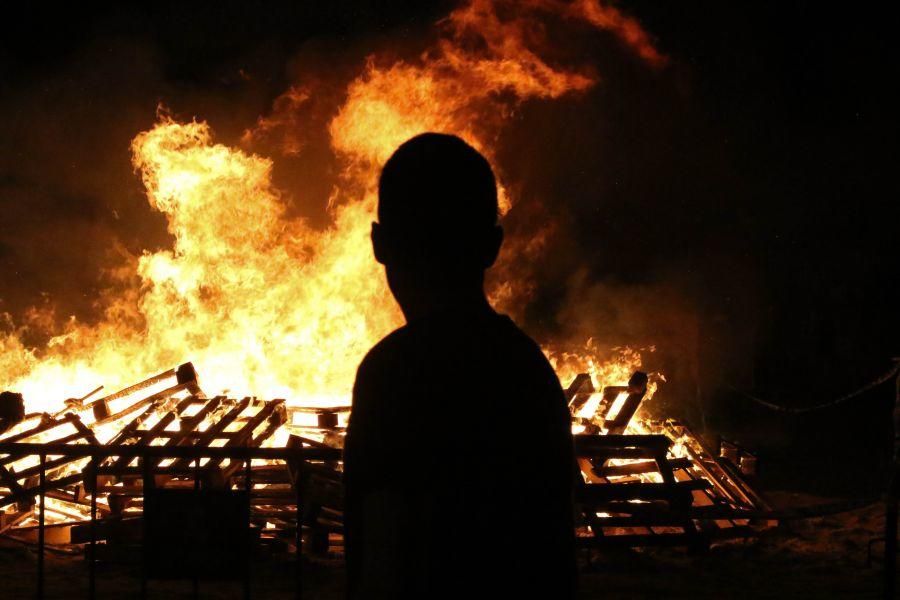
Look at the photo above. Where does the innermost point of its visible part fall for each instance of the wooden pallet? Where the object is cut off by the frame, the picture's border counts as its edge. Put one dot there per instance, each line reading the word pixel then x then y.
pixel 636 490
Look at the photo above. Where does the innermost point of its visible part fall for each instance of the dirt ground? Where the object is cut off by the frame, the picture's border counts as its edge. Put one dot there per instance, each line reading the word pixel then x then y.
pixel 814 558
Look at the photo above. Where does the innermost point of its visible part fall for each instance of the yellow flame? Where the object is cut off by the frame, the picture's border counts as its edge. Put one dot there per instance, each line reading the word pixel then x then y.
pixel 268 305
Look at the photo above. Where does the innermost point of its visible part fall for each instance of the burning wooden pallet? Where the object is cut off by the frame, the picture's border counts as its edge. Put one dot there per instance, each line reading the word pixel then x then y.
pixel 658 484
pixel 645 482
pixel 167 410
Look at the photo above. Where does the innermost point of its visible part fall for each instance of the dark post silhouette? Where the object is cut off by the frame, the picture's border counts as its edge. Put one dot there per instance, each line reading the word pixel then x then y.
pixel 12 410
pixel 459 464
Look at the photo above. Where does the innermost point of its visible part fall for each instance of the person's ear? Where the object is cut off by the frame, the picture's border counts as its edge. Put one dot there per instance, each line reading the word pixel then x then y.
pixel 492 246
pixel 379 243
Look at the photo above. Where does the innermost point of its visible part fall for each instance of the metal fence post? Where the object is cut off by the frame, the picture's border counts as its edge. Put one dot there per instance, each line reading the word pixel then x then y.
pixel 147 457
pixel 248 474
pixel 40 558
pixel 890 517
pixel 147 484
pixel 195 580
pixel 299 541
pixel 92 559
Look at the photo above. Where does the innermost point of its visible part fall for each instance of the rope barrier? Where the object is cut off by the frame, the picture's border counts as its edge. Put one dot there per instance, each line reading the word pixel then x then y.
pixel 891 374
pixel 816 511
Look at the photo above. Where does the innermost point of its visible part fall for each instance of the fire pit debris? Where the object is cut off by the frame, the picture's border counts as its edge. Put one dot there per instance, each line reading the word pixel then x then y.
pixel 645 482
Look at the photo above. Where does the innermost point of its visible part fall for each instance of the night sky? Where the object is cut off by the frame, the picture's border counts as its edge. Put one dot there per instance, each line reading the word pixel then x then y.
pixel 752 180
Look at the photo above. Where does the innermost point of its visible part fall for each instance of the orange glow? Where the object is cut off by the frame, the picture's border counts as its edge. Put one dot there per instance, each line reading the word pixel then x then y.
pixel 267 305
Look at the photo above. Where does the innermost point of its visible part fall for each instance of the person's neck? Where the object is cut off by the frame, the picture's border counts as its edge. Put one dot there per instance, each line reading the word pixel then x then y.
pixel 429 302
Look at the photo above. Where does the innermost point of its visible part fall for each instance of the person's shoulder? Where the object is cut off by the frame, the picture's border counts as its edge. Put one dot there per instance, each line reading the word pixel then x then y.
pixel 525 348
pixel 379 357
pixel 518 336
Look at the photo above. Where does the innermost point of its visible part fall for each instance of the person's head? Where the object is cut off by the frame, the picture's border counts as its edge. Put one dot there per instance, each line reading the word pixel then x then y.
pixel 437 215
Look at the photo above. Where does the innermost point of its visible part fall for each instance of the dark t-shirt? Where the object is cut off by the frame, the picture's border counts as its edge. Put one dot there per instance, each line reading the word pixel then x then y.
pixel 458 464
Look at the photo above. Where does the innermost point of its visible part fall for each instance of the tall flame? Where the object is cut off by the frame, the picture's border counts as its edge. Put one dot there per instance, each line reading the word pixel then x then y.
pixel 268 305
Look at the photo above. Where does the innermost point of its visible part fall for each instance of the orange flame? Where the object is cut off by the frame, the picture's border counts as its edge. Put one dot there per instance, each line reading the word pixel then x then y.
pixel 268 305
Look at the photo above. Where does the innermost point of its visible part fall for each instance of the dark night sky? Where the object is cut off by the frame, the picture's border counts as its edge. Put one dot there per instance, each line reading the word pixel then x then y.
pixel 762 170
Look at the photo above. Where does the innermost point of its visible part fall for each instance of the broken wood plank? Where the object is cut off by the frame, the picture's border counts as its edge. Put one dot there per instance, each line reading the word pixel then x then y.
pixel 637 389
pixel 640 468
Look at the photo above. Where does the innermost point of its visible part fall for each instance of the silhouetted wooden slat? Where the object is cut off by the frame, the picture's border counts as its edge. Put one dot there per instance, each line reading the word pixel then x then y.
pixel 31 492
pixel 637 389
pixel 146 437
pixel 152 399
pixel 184 374
pixel 11 519
pixel 46 425
pixel 212 433
pixel 640 468
pixel 22 484
pixel 579 391
pixel 274 413
pixel 601 492
pixel 9 480
pixel 586 445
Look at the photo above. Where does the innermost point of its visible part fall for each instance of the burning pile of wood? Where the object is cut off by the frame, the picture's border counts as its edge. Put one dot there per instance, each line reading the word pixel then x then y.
pixel 653 482
pixel 168 410
pixel 645 482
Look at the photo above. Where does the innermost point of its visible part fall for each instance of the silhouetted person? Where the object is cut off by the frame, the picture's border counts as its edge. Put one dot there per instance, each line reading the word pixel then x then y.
pixel 458 463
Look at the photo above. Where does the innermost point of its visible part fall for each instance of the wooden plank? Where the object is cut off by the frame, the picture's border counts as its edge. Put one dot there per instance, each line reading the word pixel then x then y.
pixel 274 412
pixel 184 374
pixel 633 540
pixel 129 431
pixel 46 424
pixel 27 493
pixel 50 467
pixel 11 519
pixel 587 445
pixel 9 480
pixel 212 433
pixel 676 492
pixel 579 392
pixel 149 400
pixel 637 389
pixel 640 468
pixel 146 436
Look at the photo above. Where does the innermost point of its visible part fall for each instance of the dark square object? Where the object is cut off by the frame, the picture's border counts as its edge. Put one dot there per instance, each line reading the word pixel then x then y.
pixel 196 533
